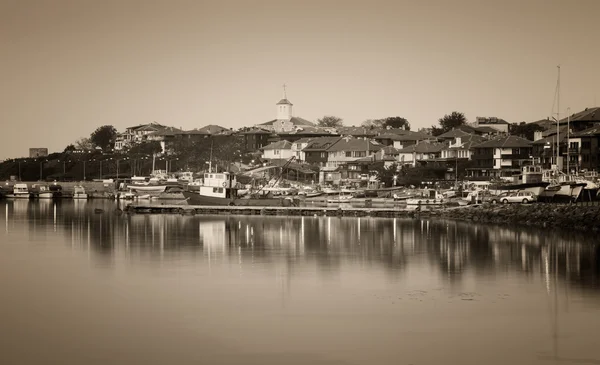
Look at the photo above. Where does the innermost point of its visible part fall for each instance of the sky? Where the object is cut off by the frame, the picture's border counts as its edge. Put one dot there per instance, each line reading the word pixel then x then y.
pixel 70 66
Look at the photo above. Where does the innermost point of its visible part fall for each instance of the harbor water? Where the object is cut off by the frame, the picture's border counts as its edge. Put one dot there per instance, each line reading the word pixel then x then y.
pixel 83 283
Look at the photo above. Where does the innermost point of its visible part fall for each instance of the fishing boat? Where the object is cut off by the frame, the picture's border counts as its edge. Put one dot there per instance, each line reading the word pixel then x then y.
pixel 341 198
pixel 41 192
pixel 20 191
pixel 221 189
pixel 79 192
pixel 149 188
pixel 531 179
pixel 427 197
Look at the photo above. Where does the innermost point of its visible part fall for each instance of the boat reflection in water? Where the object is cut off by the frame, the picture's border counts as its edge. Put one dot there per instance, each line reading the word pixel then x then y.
pixel 253 289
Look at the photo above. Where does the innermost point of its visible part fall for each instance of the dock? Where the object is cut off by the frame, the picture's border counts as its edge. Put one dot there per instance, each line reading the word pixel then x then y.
pixel 395 212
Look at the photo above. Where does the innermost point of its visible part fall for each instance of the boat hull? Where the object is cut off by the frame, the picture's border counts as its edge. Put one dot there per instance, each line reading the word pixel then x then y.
pixel 569 191
pixel 197 199
pixel 17 196
pixel 148 188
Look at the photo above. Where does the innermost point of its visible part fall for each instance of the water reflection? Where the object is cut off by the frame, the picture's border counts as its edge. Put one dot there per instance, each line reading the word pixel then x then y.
pixel 454 249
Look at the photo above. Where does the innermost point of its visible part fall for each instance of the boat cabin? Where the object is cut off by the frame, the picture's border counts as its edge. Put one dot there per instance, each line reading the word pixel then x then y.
pixel 532 174
pixel 20 189
pixel 219 185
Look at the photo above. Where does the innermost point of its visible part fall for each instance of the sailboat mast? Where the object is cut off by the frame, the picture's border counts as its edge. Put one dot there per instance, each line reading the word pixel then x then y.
pixel 558 118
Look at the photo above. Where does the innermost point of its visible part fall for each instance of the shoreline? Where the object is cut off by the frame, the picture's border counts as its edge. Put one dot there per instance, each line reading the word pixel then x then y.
pixel 580 217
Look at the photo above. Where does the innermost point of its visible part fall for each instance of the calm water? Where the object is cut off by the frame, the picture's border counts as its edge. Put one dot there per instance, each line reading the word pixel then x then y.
pixel 80 287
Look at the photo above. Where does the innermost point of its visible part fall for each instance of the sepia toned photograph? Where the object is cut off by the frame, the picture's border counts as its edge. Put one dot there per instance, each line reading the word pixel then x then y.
pixel 317 182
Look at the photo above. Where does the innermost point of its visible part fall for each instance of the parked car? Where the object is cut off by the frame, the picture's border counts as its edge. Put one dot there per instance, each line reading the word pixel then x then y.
pixel 517 197
pixel 496 199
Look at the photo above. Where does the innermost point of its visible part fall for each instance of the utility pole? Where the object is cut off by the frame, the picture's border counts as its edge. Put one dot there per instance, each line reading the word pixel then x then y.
pixel 568 136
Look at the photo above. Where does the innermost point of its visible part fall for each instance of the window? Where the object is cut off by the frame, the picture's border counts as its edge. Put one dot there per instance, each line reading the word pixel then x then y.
pixel 360 154
pixel 276 152
pixel 323 154
pixel 348 154
pixel 516 151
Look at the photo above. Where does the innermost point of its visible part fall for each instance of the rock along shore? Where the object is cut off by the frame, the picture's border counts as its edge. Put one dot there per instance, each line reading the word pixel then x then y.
pixel 579 217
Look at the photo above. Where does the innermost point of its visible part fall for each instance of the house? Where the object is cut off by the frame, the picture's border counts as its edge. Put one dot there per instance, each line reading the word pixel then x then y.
pixel 165 137
pixel 459 150
pixel 409 138
pixel 420 153
pixel 453 134
pixel 138 133
pixel 214 129
pixel 298 146
pixel 544 149
pixel 388 153
pixel 358 132
pixel 501 157
pixel 349 149
pixel 493 122
pixel 460 147
pixel 278 150
pixel 255 139
pixel 356 173
pixel 584 149
pixel 315 151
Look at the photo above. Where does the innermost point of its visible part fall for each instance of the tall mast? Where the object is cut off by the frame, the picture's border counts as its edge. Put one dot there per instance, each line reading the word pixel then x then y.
pixel 558 118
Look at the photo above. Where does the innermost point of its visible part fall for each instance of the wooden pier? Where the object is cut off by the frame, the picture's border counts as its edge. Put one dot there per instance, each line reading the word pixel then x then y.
pixel 273 211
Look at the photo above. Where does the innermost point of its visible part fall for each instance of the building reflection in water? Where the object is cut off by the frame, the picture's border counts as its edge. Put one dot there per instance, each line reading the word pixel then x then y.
pixel 328 243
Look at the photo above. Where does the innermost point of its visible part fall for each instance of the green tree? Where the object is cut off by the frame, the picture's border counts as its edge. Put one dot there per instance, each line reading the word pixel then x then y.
pixel 330 121
pixel 104 136
pixel 448 122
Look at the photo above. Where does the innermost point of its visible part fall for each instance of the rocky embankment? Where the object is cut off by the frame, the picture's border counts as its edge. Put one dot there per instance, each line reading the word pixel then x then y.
pixel 579 217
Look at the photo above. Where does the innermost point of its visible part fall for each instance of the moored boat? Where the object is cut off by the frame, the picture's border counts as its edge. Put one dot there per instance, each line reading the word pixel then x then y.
pixel 427 197
pixel 41 192
pixel 79 192
pixel 20 191
pixel 221 189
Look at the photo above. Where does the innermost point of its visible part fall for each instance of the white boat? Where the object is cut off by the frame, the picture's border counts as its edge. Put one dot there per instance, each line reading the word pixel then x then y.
pixel 20 191
pixel 567 188
pixel 342 198
pixel 148 188
pixel 427 197
pixel 79 192
pixel 42 192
